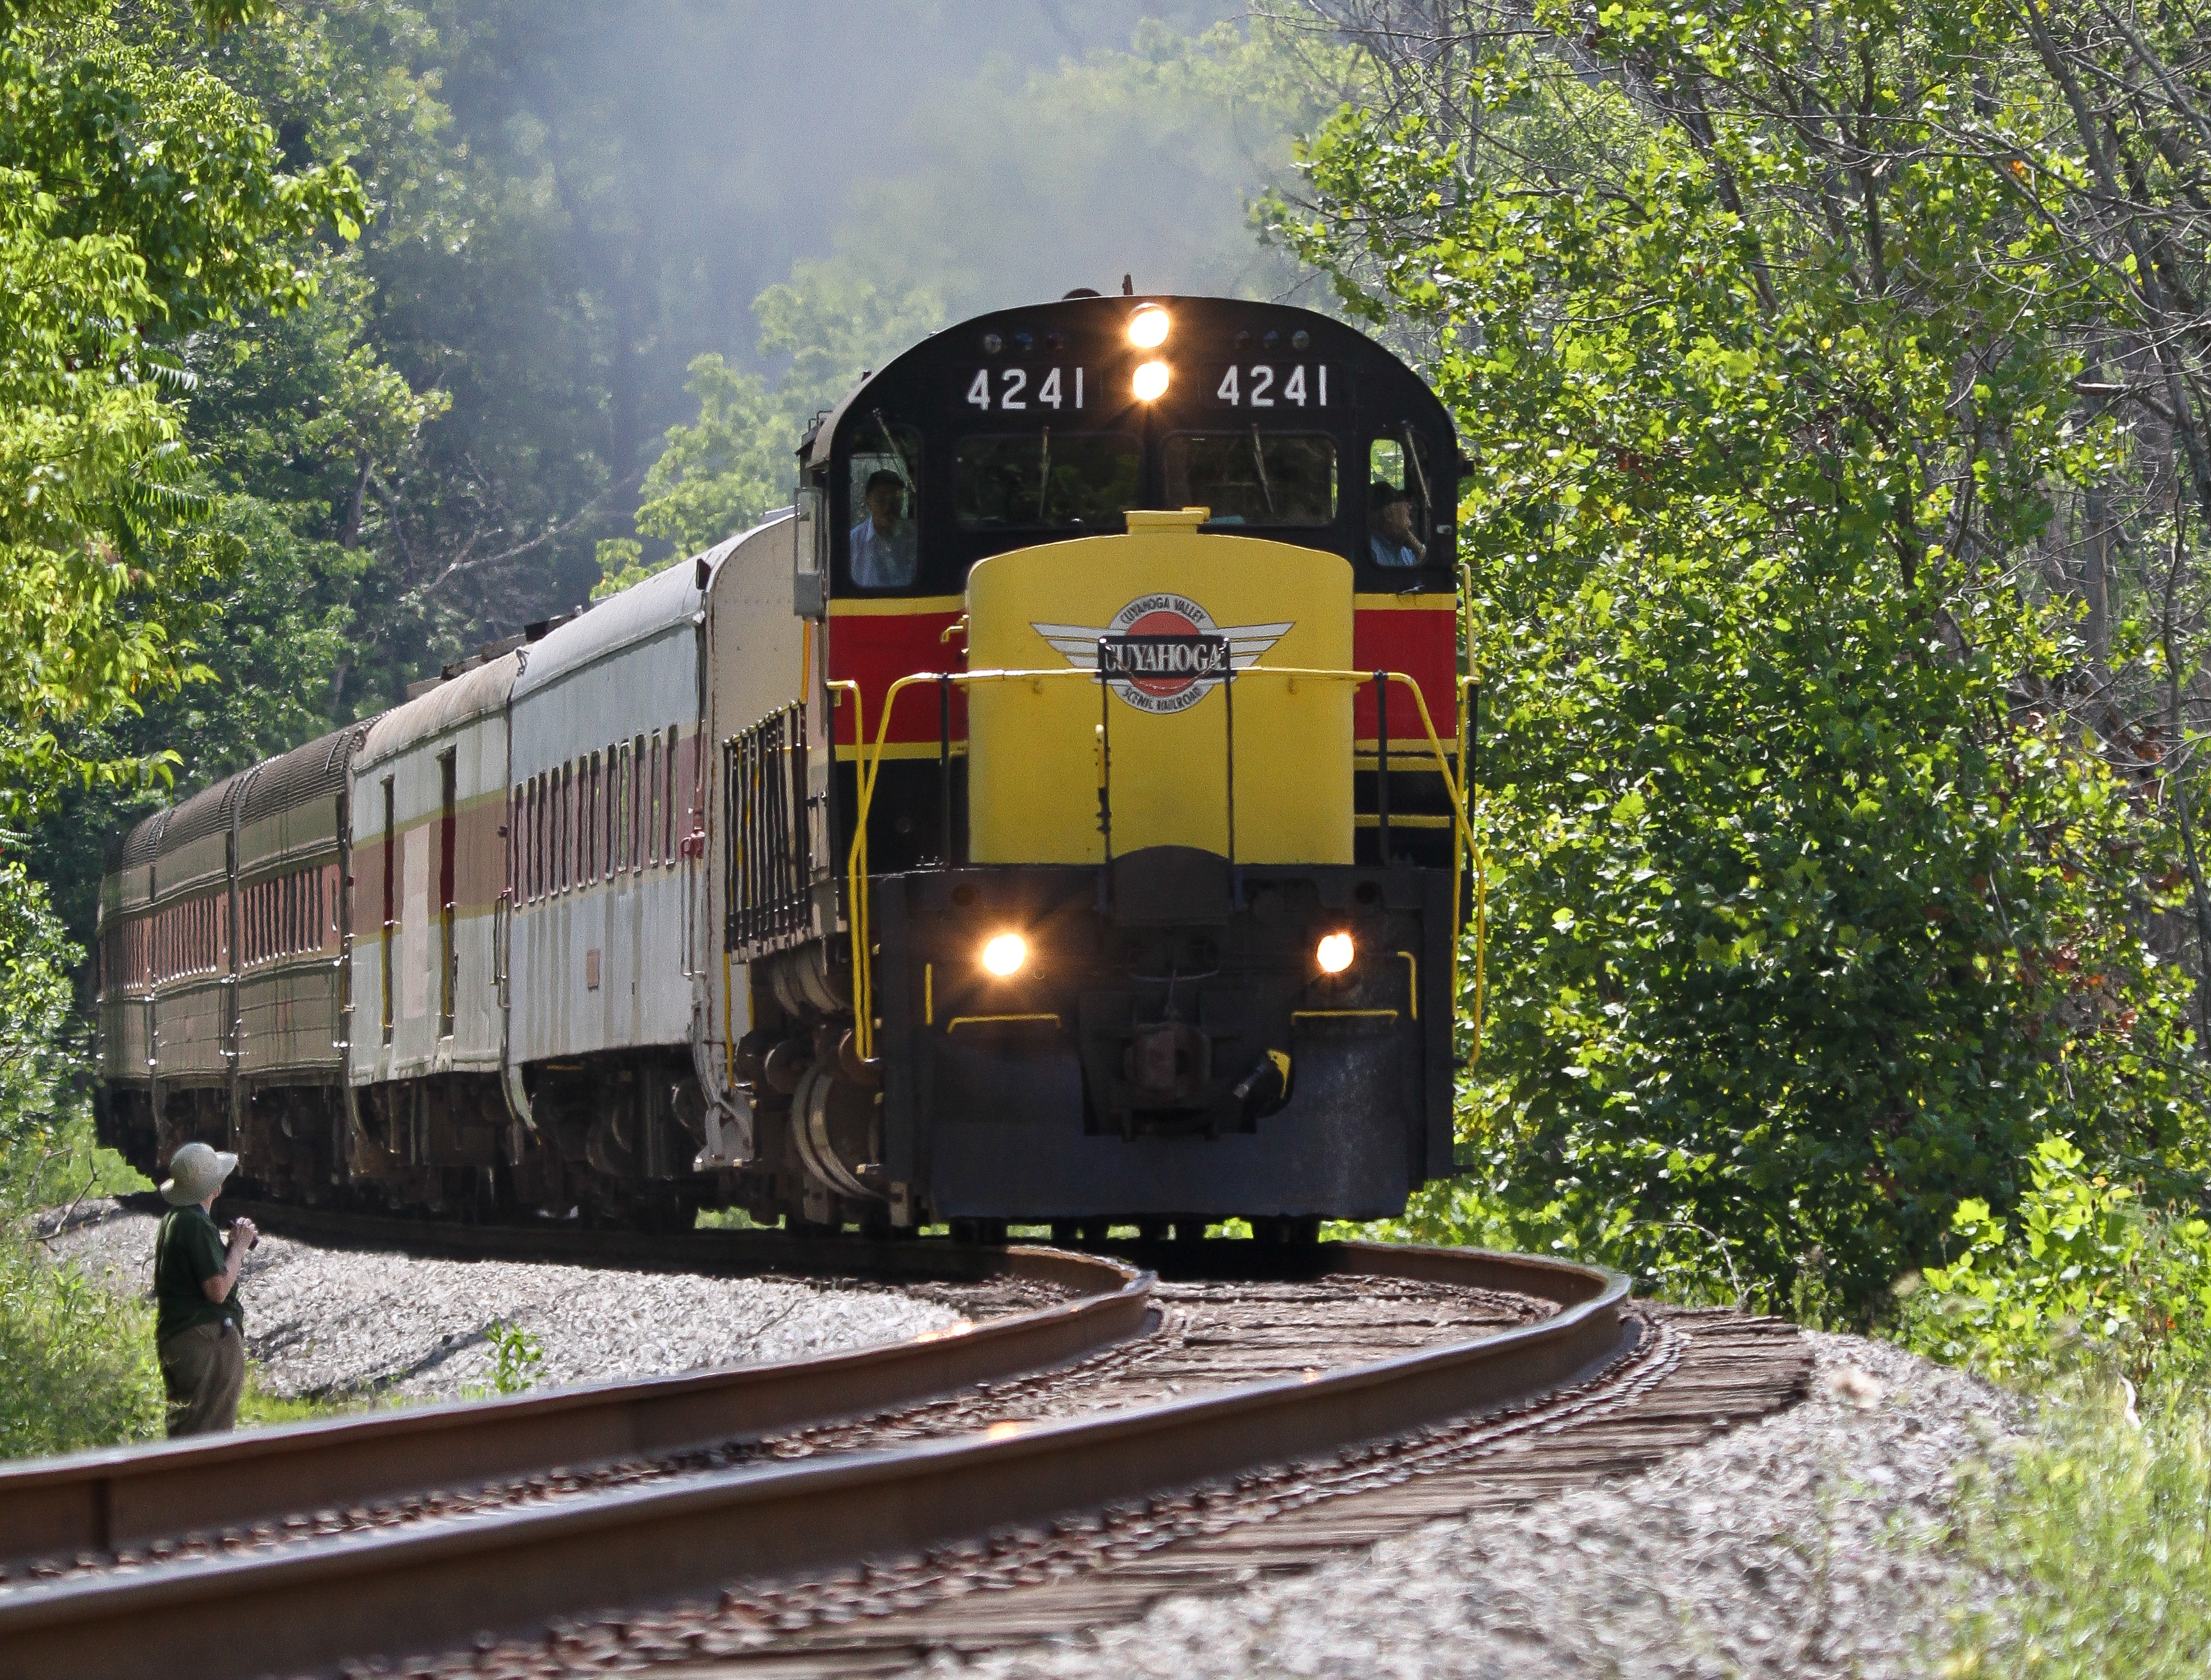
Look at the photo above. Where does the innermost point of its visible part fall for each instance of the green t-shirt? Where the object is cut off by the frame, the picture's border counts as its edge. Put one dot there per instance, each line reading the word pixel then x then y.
pixel 188 1251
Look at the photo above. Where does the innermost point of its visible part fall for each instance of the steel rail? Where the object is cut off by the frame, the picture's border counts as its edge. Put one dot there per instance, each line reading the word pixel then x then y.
pixel 722 1253
pixel 125 1497
pixel 434 1585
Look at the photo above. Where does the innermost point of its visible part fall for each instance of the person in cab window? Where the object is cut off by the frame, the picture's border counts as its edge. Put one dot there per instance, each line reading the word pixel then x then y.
pixel 1390 528
pixel 883 551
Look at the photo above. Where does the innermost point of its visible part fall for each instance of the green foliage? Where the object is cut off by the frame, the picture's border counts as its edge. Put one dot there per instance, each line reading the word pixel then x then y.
pixel 1801 928
pixel 139 207
pixel 77 1364
pixel 46 1154
pixel 258 1408
pixel 145 210
pixel 516 1358
pixel 719 474
pixel 34 1050
pixel 2099 1530
pixel 2081 1275
pixel 284 416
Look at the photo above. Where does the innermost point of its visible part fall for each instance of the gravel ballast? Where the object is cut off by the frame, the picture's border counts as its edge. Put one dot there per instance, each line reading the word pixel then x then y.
pixel 331 1324
pixel 1806 1545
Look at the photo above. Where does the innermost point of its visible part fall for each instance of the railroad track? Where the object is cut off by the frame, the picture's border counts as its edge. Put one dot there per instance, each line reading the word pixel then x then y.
pixel 71 1516
pixel 1446 1365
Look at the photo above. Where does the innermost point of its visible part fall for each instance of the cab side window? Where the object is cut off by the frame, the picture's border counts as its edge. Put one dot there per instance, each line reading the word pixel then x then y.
pixel 883 478
pixel 1400 504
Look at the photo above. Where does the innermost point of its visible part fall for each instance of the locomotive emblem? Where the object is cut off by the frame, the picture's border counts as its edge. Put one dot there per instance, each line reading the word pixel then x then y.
pixel 1163 651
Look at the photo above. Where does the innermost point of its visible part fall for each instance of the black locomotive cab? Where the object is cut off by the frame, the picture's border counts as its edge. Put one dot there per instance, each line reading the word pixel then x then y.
pixel 1052 421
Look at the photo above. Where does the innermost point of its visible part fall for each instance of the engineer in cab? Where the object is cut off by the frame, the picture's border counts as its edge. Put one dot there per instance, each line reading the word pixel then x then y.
pixel 1389 527
pixel 883 547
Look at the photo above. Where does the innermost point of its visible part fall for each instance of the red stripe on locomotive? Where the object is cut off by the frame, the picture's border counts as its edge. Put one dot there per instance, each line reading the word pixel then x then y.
pixel 875 650
pixel 1422 644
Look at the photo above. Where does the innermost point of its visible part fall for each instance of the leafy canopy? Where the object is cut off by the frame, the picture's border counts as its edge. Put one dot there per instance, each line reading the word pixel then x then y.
pixel 139 206
pixel 1802 929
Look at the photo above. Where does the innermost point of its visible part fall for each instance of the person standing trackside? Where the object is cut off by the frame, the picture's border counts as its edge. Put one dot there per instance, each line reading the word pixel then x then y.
pixel 199 1334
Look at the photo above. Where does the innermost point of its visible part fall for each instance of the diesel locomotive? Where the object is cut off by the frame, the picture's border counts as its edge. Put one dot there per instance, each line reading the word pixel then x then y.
pixel 1057 814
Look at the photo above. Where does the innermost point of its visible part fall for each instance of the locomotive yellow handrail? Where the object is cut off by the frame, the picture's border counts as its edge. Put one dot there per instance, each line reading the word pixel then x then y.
pixel 870 763
pixel 1467 685
pixel 838 688
pixel 1459 811
pixel 865 769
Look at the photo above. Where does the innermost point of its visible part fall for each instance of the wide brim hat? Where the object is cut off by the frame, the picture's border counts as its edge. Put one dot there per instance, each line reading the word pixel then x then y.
pixel 195 1171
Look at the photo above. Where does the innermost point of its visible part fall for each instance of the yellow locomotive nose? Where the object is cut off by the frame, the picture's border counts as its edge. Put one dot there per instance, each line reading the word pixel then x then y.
pixel 1152 752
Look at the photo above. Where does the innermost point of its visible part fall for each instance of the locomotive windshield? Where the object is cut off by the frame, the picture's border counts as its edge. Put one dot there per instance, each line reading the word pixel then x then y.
pixel 1254 478
pixel 1083 482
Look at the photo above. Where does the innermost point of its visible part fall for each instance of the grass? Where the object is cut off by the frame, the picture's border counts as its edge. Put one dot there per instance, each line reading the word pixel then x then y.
pixel 258 1409
pixel 2103 1527
pixel 726 1219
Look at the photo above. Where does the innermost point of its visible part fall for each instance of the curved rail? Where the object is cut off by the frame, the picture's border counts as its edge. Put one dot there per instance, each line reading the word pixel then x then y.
pixel 119 1496
pixel 434 1585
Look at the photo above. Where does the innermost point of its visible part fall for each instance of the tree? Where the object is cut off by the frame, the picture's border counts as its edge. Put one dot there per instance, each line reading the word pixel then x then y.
pixel 718 476
pixel 278 414
pixel 1805 920
pixel 144 208
pixel 138 208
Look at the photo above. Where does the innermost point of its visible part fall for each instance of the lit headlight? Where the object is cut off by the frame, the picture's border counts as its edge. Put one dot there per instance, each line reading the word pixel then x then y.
pixel 1005 955
pixel 1151 381
pixel 1335 953
pixel 1147 327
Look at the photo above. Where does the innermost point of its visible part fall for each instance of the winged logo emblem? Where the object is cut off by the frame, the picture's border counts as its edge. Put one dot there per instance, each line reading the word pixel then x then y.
pixel 1164 614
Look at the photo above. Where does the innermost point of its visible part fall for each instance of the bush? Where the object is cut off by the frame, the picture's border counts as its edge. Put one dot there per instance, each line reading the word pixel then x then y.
pixel 1801 927
pixel 76 1363
pixel 2091 1279
pixel 2100 1531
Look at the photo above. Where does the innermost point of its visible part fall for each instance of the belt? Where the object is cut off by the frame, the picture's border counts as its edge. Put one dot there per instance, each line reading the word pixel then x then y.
pixel 219 1325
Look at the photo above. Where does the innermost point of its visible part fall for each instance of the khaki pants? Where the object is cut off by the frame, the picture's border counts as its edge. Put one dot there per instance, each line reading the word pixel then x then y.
pixel 203 1369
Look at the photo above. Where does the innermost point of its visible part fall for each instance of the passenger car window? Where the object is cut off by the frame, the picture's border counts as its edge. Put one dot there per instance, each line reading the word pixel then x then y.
pixel 881 543
pixel 1253 477
pixel 1081 481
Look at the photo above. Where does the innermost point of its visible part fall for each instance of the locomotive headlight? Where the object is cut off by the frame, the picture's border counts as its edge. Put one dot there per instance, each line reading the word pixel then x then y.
pixel 1005 955
pixel 1147 327
pixel 1152 380
pixel 1335 953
